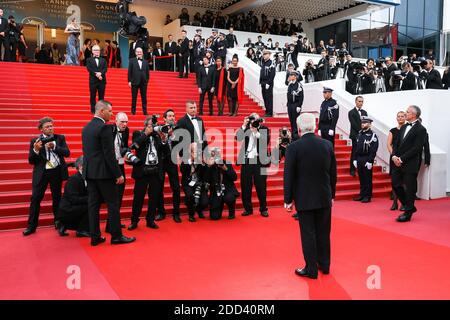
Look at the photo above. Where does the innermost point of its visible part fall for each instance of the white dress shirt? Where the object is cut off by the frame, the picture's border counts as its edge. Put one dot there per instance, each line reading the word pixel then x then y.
pixel 117 146
pixel 196 128
pixel 408 128
pixel 152 153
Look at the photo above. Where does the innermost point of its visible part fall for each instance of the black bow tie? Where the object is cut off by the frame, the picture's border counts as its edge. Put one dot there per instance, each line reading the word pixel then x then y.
pixel 96 58
pixel 194 118
pixel 409 124
pixel 139 59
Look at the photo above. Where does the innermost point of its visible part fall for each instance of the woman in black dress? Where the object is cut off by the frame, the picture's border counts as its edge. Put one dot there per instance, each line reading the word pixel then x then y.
pixel 235 86
pixel 220 85
pixel 392 140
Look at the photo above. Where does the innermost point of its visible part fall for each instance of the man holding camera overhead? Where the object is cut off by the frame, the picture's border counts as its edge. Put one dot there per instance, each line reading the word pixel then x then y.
pixel 46 154
pixel 148 174
pixel 254 157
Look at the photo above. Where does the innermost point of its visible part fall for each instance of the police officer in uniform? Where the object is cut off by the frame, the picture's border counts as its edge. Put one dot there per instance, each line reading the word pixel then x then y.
pixel 295 98
pixel 366 151
pixel 221 48
pixel 329 116
pixel 266 78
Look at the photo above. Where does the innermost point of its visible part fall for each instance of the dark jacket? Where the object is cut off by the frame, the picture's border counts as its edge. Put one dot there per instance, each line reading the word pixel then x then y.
pixel 329 115
pixel 186 175
pixel 184 47
pixel 264 140
pixel 434 80
pixel 212 176
pixel 170 47
pixel 91 66
pixel 267 73
pixel 125 137
pixel 355 122
pixel 136 75
pixel 186 124
pixel 75 198
pixel 310 173
pixel 409 149
pixel 98 152
pixel 409 82
pixel 143 141
pixel 206 81
pixel 40 160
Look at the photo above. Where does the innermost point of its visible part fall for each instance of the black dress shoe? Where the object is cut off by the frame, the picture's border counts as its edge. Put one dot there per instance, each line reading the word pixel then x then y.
pixel 304 273
pixel 192 219
pixel 160 217
pixel 152 225
pixel 133 226
pixel 83 234
pixel 231 216
pixel 123 240
pixel 62 231
pixel 357 199
pixel 177 219
pixel 323 269
pixel 186 76
pixel 406 217
pixel 133 112
pixel 245 214
pixel 265 214
pixel 201 215
pixel 394 206
pixel 366 200
pixel 28 231
pixel 352 173
pixel 180 77
pixel 97 241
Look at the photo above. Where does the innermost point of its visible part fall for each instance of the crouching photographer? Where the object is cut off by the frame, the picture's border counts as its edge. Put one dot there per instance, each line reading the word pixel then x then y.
pixel 284 141
pixel 194 186
pixel 73 208
pixel 220 175
pixel 148 173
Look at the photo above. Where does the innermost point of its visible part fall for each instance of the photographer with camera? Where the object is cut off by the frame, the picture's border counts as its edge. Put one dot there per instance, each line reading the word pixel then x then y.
pixel 46 154
pixel 365 80
pixel 323 67
pixel 254 156
pixel 221 177
pixel 148 174
pixel 388 67
pixel 12 36
pixel 192 181
pixel 169 167
pixel 295 96
pixel 73 208
pixel 432 76
pixel 409 80
pixel 310 72
pixel 284 141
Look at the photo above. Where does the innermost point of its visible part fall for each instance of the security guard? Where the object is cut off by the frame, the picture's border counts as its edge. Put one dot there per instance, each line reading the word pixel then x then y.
pixel 366 151
pixel 266 79
pixel 295 98
pixel 329 116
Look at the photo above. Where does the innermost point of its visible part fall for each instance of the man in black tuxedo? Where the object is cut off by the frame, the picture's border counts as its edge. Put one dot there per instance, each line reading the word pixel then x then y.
pixel 102 173
pixel 160 64
pixel 73 208
pixel 97 68
pixel 206 84
pixel 184 55
pixel 170 48
pixel 310 181
pixel 3 27
pixel 354 116
pixel 138 78
pixel 49 167
pixel 254 157
pixel 433 77
pixel 191 128
pixel 148 174
pixel 407 156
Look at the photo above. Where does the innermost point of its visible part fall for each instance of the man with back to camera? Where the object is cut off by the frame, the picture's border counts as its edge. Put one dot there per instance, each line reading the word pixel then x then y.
pixel 310 181
pixel 102 173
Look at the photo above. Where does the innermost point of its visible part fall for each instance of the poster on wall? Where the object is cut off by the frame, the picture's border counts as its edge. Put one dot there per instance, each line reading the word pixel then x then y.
pixel 94 15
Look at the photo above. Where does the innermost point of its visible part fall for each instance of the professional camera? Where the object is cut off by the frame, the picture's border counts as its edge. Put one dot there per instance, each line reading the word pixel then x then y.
pixel 155 118
pixel 198 193
pixel 130 157
pixel 285 137
pixel 46 140
pixel 257 123
pixel 130 23
pixel 220 190
pixel 165 128
pixel 215 153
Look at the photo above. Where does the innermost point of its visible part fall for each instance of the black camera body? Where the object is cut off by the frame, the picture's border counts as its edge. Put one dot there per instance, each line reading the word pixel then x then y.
pixel 130 157
pixel 257 123
pixel 46 140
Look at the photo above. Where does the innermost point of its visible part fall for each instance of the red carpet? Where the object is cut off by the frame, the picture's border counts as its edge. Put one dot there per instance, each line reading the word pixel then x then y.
pixel 248 258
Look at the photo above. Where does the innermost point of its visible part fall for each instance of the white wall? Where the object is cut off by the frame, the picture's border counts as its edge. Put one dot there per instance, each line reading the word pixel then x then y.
pixel 446 20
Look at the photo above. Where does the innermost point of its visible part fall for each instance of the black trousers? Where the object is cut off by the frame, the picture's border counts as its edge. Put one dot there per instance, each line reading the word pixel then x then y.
pixel 210 100
pixel 94 88
pixel 184 65
pixel 353 156
pixel 405 187
pixel 251 173
pixel 52 177
pixel 268 99
pixel 142 88
pixel 293 115
pixel 315 228
pixel 100 191
pixel 172 171
pixel 324 133
pixel 10 50
pixel 75 219
pixel 216 205
pixel 120 192
pixel 150 184
pixel 365 179
pixel 203 202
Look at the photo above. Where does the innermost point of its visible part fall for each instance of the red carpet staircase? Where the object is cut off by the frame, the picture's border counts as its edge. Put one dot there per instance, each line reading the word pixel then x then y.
pixel 30 91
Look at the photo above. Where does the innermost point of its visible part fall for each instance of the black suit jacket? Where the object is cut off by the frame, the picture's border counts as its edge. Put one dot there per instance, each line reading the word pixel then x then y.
pixel 409 149
pixel 75 196
pixel 40 160
pixel 170 47
pixel 409 82
pixel 212 176
pixel 206 81
pixel 310 173
pixel 136 75
pixel 125 137
pixel 91 66
pixel 434 80
pixel 98 151
pixel 355 122
pixel 142 140
pixel 186 124
pixel 184 47
pixel 185 170
pixel 263 157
